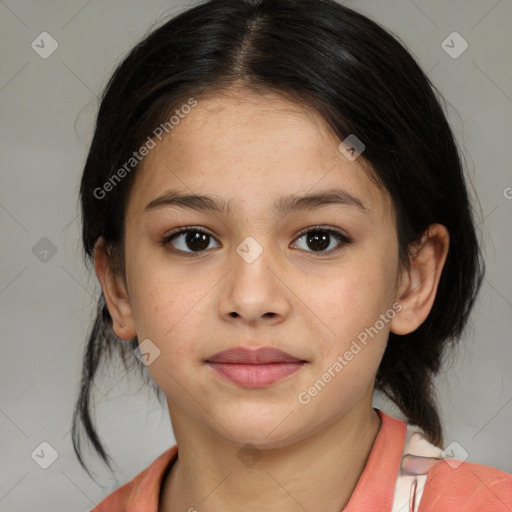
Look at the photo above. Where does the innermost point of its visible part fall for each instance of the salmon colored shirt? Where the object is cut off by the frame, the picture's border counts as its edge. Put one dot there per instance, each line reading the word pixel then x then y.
pixel 462 487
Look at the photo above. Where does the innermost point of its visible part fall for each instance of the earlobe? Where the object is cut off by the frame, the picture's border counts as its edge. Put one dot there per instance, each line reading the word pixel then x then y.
pixel 114 291
pixel 418 284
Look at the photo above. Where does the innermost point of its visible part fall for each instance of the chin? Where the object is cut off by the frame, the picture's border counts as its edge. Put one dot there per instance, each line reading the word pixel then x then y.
pixel 263 431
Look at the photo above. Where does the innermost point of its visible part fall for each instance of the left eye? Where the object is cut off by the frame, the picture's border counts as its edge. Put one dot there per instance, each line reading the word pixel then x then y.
pixel 320 239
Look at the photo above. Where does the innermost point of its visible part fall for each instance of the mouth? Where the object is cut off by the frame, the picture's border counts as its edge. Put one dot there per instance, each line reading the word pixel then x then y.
pixel 254 368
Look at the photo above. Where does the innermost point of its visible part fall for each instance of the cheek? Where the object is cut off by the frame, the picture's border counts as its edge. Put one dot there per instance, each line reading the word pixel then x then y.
pixel 352 297
pixel 166 311
pixel 164 298
pixel 352 340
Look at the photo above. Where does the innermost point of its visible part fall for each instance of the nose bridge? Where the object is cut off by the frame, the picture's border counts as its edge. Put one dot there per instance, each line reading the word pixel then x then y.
pixel 250 250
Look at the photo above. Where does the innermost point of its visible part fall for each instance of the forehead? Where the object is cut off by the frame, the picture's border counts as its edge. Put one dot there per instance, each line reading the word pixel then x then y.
pixel 250 147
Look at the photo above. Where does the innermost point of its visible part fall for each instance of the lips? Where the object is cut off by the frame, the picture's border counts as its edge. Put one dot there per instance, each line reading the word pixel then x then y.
pixel 254 368
pixel 264 355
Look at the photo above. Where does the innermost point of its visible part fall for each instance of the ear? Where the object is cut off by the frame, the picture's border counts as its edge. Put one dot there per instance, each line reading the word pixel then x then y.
pixel 418 284
pixel 114 291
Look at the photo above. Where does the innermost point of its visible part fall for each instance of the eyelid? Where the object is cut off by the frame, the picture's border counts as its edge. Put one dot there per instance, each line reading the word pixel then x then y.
pixel 329 229
pixel 184 229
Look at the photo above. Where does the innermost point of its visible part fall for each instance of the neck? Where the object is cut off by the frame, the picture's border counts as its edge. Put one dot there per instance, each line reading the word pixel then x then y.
pixel 316 474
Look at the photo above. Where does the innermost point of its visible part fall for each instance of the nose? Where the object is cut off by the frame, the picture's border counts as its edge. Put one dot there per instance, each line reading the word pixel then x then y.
pixel 254 291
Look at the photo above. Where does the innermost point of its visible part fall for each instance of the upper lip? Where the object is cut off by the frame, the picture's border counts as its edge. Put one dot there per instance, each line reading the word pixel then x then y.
pixel 263 355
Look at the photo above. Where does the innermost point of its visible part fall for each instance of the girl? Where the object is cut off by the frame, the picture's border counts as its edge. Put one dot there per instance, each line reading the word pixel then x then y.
pixel 276 210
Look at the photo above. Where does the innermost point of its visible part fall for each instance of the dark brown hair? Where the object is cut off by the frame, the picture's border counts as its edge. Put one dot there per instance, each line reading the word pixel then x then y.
pixel 362 81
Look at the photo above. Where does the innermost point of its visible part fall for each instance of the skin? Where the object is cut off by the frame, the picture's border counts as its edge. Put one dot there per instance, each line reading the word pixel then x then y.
pixel 253 149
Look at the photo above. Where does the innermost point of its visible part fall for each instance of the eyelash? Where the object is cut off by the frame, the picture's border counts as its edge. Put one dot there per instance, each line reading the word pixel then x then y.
pixel 342 237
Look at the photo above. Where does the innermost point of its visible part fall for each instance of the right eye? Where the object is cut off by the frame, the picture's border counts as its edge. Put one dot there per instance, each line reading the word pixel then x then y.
pixel 189 237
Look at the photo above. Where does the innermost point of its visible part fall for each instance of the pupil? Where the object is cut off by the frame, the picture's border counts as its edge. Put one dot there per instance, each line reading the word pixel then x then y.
pixel 323 239
pixel 197 241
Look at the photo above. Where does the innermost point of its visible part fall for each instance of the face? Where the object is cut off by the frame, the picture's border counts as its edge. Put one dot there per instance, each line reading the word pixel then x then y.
pixel 310 281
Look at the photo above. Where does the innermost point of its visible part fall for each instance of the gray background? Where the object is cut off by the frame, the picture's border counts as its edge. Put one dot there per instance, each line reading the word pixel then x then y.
pixel 47 113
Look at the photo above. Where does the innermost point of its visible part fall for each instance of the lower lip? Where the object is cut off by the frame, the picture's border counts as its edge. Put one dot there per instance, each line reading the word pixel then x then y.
pixel 256 375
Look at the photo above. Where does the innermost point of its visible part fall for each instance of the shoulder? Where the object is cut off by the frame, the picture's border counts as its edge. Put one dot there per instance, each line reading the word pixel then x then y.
pixel 465 486
pixel 142 492
pixel 440 482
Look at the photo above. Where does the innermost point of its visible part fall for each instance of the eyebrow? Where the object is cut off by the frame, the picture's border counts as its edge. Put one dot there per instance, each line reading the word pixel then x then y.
pixel 282 206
